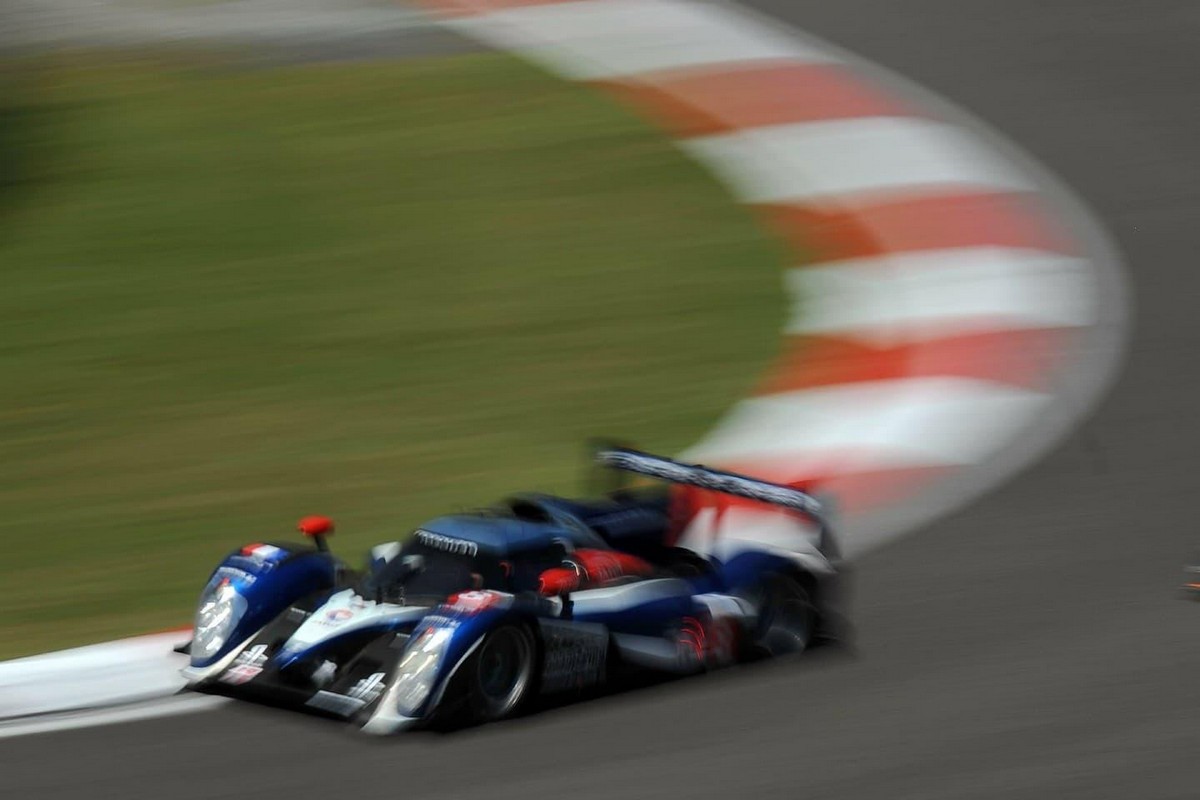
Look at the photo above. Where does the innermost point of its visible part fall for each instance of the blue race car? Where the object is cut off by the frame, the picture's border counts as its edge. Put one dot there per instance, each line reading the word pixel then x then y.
pixel 475 615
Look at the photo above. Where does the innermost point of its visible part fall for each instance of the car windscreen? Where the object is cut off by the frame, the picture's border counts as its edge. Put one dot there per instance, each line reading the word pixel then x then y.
pixel 420 571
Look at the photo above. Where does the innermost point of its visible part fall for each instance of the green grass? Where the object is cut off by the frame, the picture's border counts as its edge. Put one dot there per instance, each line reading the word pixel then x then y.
pixel 376 291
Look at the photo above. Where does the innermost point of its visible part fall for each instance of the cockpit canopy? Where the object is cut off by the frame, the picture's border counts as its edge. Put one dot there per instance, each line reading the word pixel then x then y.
pixel 433 564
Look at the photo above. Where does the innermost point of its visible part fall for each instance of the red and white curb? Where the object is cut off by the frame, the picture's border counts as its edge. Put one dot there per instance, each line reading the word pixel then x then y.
pixel 956 310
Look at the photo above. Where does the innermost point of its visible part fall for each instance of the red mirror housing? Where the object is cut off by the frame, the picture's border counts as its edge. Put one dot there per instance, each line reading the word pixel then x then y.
pixel 315 526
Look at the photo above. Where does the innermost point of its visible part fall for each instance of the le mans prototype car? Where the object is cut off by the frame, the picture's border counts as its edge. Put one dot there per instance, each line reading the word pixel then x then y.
pixel 477 614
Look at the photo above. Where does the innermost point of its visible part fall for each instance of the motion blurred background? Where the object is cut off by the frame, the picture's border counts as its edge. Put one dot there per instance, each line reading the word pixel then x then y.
pixel 264 258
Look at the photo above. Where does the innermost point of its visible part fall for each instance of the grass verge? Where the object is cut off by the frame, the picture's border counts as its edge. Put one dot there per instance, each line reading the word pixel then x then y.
pixel 378 291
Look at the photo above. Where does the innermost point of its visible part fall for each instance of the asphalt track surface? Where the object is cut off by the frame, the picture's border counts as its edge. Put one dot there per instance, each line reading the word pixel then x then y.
pixel 1034 645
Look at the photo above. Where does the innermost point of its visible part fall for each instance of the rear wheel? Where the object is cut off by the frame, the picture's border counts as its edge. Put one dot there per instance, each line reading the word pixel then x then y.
pixel 787 617
pixel 501 673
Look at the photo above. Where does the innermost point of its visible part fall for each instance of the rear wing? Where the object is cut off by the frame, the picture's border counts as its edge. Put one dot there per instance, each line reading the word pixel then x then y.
pixel 629 460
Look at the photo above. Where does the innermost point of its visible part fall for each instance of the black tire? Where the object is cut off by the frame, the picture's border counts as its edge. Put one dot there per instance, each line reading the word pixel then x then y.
pixel 501 674
pixel 787 616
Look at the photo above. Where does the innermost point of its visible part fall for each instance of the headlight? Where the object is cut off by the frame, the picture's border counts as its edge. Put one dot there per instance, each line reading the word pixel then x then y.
pixel 418 669
pixel 221 607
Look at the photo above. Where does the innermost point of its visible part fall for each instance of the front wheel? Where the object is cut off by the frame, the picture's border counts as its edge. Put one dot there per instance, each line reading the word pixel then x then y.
pixel 501 673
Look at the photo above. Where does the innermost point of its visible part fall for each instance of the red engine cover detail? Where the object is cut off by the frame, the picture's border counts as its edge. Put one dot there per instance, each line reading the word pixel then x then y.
pixel 315 526
pixel 602 566
pixel 557 581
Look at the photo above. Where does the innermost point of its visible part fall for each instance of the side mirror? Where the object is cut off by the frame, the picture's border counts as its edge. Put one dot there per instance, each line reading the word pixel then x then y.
pixel 558 581
pixel 317 528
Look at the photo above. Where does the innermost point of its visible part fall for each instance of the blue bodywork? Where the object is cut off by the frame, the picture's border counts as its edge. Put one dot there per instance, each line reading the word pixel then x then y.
pixel 269 584
pixel 498 536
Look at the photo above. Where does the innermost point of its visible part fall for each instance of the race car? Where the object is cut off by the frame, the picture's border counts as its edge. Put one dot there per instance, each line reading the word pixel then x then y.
pixel 1191 578
pixel 476 614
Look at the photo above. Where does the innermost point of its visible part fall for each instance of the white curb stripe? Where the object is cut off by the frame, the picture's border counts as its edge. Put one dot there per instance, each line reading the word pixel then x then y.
pixel 162 707
pixel 861 156
pixel 127 670
pixel 614 38
pixel 896 423
pixel 940 292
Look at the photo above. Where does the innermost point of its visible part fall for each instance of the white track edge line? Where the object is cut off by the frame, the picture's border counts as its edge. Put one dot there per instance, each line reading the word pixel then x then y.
pixel 89 718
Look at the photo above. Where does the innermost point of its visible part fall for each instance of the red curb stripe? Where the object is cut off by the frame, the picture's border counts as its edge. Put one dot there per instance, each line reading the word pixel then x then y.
pixel 703 101
pixel 715 99
pixel 466 8
pixel 1020 357
pixel 864 229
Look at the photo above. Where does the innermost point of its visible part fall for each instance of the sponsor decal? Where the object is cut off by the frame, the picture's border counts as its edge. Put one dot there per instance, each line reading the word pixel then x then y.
pixel 336 616
pixel 459 547
pixel 252 655
pixel 467 603
pixel 246 667
pixel 239 674
pixel 575 655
